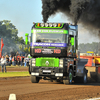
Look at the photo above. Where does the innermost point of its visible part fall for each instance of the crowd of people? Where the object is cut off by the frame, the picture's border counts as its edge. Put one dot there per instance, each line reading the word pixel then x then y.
pixel 14 60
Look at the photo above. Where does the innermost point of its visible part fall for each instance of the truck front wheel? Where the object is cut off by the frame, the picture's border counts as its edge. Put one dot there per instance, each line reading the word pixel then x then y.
pixel 68 80
pixel 50 80
pixel 34 79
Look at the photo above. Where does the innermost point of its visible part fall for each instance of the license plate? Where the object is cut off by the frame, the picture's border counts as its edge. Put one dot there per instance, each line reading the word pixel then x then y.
pixel 47 71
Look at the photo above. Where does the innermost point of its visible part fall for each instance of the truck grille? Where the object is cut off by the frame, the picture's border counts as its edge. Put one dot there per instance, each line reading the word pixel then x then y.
pixel 47 62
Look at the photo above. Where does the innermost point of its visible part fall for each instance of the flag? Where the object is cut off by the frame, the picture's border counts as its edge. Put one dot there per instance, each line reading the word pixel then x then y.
pixel 2 44
pixel 0 54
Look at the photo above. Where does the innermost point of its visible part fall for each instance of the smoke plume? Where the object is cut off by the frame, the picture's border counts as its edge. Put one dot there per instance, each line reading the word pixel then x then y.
pixel 86 12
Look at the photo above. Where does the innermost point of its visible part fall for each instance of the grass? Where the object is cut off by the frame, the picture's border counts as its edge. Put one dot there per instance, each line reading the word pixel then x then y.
pixel 14 74
pixel 14 66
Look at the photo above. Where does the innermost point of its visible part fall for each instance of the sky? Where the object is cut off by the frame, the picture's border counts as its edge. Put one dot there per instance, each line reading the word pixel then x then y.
pixel 22 13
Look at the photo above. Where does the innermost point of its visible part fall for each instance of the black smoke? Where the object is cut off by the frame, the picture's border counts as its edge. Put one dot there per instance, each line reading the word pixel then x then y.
pixel 52 6
pixel 79 11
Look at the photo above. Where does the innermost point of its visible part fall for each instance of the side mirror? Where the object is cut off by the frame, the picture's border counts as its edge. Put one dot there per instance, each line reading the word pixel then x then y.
pixel 72 41
pixel 26 38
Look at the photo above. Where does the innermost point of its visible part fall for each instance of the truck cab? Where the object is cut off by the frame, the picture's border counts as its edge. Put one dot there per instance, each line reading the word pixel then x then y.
pixel 53 49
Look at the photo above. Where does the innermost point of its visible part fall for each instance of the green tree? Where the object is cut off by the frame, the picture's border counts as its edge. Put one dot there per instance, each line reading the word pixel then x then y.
pixel 9 33
pixel 21 40
pixel 94 46
pixel 26 49
pixel 10 30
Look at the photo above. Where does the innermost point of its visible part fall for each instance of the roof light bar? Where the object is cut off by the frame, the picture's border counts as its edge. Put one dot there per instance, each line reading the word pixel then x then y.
pixel 42 24
pixel 46 24
pixel 55 24
pixel 50 25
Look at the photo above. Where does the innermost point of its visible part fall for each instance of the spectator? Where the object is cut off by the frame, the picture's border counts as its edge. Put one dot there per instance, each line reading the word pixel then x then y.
pixel 15 60
pixel 13 63
pixel 18 61
pixel 3 63
pixel 17 53
pixel 26 61
pixel 7 60
pixel 10 60
pixel 21 60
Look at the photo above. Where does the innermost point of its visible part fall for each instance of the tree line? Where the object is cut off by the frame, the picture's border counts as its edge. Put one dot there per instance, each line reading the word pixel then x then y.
pixel 94 46
pixel 12 43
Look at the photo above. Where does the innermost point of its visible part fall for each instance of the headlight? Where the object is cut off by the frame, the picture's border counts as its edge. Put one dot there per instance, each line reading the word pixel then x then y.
pixel 61 63
pixel 33 61
pixel 33 64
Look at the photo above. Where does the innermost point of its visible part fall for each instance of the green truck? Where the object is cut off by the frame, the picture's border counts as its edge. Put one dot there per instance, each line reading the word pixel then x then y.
pixel 54 52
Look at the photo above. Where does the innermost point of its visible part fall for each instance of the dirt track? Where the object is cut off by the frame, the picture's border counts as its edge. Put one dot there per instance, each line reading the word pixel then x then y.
pixel 16 69
pixel 44 90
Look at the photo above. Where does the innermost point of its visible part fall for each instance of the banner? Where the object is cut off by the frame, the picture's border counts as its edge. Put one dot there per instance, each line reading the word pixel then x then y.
pixel 49 44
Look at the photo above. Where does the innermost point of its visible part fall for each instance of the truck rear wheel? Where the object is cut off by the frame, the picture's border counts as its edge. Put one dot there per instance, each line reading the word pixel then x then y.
pixel 68 80
pixel 81 79
pixel 76 80
pixel 34 79
pixel 84 78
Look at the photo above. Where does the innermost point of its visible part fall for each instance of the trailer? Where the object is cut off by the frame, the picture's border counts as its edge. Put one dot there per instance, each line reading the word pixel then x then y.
pixel 93 67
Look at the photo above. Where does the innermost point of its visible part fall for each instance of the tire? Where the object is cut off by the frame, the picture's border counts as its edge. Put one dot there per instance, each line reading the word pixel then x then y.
pixel 56 80
pixel 81 79
pixel 65 80
pixel 76 80
pixel 68 80
pixel 84 78
pixel 34 79
pixel 50 80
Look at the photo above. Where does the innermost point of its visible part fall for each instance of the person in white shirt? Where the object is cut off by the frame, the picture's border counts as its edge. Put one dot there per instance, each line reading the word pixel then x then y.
pixel 3 63
pixel 26 61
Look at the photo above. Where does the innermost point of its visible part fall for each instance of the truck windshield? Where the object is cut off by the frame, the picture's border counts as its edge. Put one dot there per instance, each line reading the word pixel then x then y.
pixel 49 38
